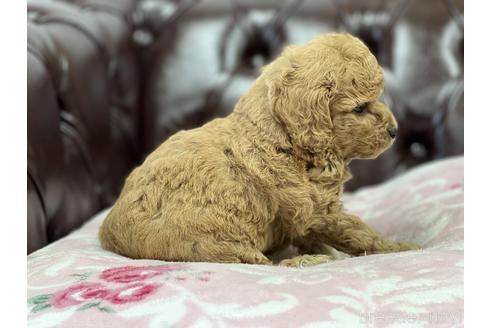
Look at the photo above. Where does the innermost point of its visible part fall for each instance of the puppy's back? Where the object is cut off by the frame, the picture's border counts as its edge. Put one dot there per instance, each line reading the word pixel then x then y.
pixel 160 197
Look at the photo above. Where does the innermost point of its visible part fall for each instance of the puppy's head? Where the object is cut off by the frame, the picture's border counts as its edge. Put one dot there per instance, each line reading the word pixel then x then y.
pixel 325 93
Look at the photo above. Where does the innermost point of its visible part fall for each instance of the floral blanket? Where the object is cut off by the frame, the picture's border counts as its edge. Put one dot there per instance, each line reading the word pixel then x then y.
pixel 75 283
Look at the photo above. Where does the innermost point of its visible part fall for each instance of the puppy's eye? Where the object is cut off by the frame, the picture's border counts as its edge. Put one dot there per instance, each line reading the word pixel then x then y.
pixel 360 109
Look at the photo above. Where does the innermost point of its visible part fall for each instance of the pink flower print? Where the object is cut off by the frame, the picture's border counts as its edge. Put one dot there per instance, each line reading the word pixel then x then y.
pixel 130 274
pixel 79 293
pixel 132 293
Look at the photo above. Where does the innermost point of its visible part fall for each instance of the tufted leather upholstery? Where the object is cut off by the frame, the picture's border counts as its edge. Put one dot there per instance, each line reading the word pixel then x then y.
pixel 83 82
pixel 110 80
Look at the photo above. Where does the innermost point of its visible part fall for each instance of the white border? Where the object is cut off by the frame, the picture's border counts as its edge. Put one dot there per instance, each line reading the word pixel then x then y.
pixel 13 163
pixel 478 162
pixel 478 145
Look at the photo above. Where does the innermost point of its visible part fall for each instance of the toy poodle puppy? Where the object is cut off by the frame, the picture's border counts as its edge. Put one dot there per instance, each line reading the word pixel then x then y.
pixel 270 174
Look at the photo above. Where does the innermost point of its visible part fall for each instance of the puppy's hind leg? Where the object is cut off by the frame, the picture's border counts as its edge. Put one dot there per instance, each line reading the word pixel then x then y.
pixel 307 260
pixel 210 250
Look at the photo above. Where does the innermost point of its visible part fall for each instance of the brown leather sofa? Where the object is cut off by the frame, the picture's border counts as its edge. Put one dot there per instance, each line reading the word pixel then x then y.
pixel 110 80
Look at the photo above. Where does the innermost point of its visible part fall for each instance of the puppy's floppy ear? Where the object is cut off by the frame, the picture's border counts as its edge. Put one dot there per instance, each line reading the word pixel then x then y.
pixel 329 86
pixel 301 105
pixel 279 74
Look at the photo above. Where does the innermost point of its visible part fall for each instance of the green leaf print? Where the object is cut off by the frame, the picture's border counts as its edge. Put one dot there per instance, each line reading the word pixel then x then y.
pixel 106 309
pixel 88 306
pixel 39 299
pixel 40 307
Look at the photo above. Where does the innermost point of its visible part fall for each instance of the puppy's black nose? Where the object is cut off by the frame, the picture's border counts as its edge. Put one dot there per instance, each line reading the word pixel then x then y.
pixel 392 132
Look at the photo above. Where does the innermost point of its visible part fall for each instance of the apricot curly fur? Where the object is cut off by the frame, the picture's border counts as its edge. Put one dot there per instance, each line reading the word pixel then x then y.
pixel 268 175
